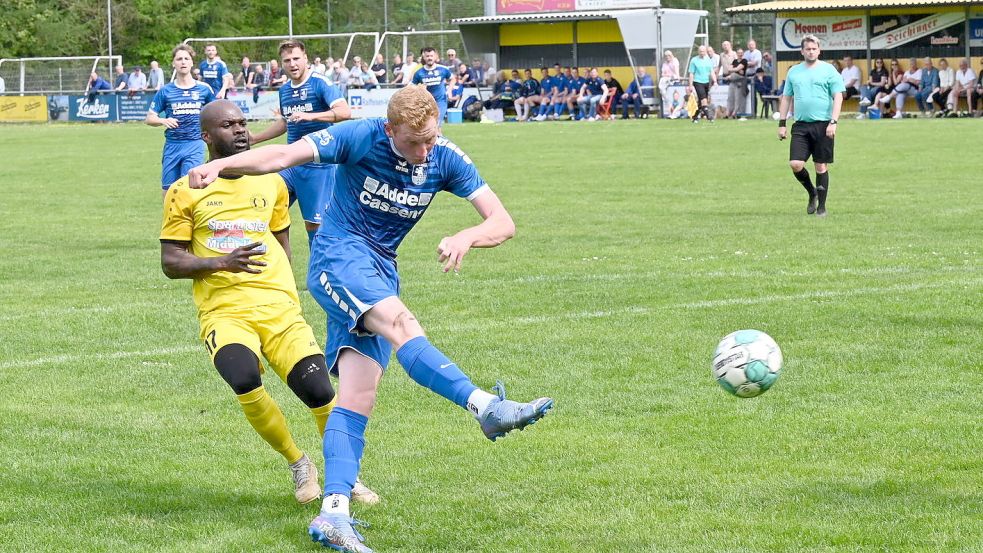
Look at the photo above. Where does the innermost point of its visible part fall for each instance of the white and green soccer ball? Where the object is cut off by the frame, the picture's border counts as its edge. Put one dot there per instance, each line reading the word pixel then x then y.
pixel 747 362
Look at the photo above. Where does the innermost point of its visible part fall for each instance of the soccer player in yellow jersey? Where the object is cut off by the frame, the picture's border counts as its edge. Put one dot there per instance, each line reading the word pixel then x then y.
pixel 232 240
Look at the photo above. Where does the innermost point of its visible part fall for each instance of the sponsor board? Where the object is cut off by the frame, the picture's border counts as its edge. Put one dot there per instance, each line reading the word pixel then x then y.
pixel 923 27
pixel 976 33
pixel 133 107
pixel 23 108
pixel 101 108
pixel 848 32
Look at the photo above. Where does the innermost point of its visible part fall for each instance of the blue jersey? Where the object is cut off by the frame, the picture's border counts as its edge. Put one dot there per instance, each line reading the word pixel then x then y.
pixel 434 79
pixel 183 104
pixel 560 82
pixel 595 86
pixel 213 73
pixel 574 84
pixel 314 95
pixel 546 85
pixel 378 195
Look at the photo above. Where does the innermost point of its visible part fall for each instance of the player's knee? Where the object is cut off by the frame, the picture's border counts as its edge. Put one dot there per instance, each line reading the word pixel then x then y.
pixel 821 168
pixel 797 165
pixel 309 381
pixel 405 325
pixel 239 367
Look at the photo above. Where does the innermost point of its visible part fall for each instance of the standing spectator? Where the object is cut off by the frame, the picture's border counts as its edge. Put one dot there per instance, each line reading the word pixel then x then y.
pixel 379 70
pixel 714 59
pixel 452 60
pixel 137 81
pixel 947 77
pixel 356 78
pixel 927 87
pixel 409 69
pixel 155 78
pixel 214 72
pixel 276 77
pixel 318 66
pixel 435 78
pixel 477 71
pixel 908 86
pixel 329 69
pixel 615 90
pixel 397 69
pixel 963 87
pixel 701 78
pixel 851 78
pixel 737 88
pixel 639 89
pixel 342 76
pixel 121 78
pixel 753 57
pixel 727 57
pixel 242 78
pixel 767 63
pixel 96 85
pixel 816 90
pixel 669 72
pixel 258 80
pixel 877 83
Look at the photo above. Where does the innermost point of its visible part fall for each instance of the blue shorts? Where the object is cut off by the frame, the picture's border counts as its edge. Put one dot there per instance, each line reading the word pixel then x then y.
pixel 347 278
pixel 178 158
pixel 310 184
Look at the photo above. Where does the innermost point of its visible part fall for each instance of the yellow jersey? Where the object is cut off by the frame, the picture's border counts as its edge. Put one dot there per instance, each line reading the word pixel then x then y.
pixel 230 213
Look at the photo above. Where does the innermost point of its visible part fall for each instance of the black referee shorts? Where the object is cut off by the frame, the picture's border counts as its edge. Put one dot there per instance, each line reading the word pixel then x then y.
pixel 809 139
pixel 702 91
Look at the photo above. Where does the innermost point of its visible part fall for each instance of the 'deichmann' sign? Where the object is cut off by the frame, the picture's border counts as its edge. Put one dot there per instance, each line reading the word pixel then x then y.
pixel 845 32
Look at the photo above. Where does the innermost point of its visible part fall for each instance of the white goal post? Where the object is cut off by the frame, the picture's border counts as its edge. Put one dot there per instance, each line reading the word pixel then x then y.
pixel 62 74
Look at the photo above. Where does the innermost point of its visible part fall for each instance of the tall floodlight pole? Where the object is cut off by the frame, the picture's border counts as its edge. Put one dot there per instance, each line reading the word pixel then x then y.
pixel 109 27
pixel 290 18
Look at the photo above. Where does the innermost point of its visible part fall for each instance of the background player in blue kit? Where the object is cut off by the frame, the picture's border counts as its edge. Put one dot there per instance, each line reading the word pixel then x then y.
pixel 180 103
pixel 308 103
pixel 434 77
pixel 388 173
pixel 214 72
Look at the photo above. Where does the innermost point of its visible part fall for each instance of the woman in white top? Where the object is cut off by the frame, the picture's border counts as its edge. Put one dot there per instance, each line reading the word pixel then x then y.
pixel 947 77
pixel 669 72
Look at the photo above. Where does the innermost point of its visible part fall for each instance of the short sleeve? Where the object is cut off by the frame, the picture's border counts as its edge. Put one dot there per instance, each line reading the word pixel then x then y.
pixel 159 104
pixel 788 90
pixel 835 82
pixel 178 221
pixel 344 143
pixel 462 178
pixel 280 219
pixel 331 94
pixel 416 78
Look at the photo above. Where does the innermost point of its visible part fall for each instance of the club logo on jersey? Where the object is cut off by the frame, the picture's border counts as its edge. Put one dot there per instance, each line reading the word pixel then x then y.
pixel 259 202
pixel 419 174
pixel 303 94
pixel 194 95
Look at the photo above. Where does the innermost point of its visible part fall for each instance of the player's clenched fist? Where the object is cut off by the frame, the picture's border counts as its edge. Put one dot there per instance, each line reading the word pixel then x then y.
pixel 203 175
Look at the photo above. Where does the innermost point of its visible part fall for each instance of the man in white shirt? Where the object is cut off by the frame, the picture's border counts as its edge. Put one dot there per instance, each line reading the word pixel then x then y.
pixel 947 77
pixel 963 87
pixel 851 78
pixel 319 67
pixel 753 57
pixel 409 68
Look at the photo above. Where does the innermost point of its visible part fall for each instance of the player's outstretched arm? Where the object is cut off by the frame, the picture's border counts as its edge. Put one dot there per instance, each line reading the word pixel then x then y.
pixel 268 159
pixel 177 262
pixel 497 227
pixel 277 128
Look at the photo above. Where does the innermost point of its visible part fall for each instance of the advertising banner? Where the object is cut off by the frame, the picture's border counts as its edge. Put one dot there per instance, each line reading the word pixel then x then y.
pixel 976 33
pixel 265 105
pixel 845 32
pixel 102 108
pixel 135 107
pixel 893 31
pixel 506 7
pixel 23 108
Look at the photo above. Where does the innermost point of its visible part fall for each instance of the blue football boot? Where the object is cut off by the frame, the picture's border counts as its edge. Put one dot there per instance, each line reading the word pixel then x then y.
pixel 504 415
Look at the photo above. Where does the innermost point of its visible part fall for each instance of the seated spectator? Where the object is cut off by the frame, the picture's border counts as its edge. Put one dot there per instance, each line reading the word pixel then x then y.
pixel 379 70
pixel 591 93
pixel 120 80
pixel 455 91
pixel 965 86
pixel 258 80
pixel 477 72
pixel 504 92
pixel 369 80
pixel 397 69
pixel 615 90
pixel 575 85
pixel 851 78
pixel 640 88
pixel 491 74
pixel 927 87
pixel 947 77
pixel 155 79
pixel 276 76
pixel 877 83
pixel 464 75
pixel 895 76
pixel 763 84
pixel 907 87
pixel 242 77
pixel 137 81
pixel 529 95
pixel 96 85
pixel 319 66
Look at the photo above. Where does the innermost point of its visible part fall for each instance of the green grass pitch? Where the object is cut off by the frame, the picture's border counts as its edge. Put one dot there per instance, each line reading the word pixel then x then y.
pixel 639 246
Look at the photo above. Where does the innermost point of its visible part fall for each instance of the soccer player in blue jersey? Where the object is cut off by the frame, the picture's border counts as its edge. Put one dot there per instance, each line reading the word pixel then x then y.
pixel 180 102
pixel 214 72
pixel 308 103
pixel 529 96
pixel 546 91
pixel 435 78
pixel 388 173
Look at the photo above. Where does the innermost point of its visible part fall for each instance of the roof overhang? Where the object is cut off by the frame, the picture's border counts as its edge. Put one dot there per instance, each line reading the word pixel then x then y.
pixel 817 5
pixel 546 17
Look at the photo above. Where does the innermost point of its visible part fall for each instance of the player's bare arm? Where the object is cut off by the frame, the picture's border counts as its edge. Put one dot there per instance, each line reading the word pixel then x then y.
pixel 497 227
pixel 155 120
pixel 178 262
pixel 341 111
pixel 783 106
pixel 837 105
pixel 277 128
pixel 268 159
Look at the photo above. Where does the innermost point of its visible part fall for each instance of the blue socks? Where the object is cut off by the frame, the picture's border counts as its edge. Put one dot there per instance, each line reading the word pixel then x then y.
pixel 430 368
pixel 344 440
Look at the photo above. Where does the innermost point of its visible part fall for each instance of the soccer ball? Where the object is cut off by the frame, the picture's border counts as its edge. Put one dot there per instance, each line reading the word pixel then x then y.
pixel 747 362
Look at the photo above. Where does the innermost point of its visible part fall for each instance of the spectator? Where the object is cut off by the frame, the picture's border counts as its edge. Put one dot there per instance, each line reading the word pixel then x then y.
pixel 452 60
pixel 965 86
pixel 258 80
pixel 455 91
pixel 214 72
pixel 753 57
pixel 136 81
pixel 614 90
pixel 895 75
pixel 245 68
pixel 379 71
pixel 342 76
pixel 639 89
pixel 477 71
pixel 96 85
pixel 504 92
pixel 397 69
pixel 947 77
pixel 275 76
pixel 491 75
pixel 591 93
pixel 908 86
pixel 928 87
pixel 669 71
pixel 737 88
pixel 464 75
pixel 851 78
pixel 879 82
pixel 549 92
pixel 409 69
pixel 319 66
pixel 121 77
pixel 763 83
pixel 767 63
pixel 356 77
pixel 155 79
pixel 369 80
pixel 714 59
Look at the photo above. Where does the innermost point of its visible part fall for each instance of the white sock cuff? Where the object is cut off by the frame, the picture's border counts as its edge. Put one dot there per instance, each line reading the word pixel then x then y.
pixel 335 504
pixel 478 402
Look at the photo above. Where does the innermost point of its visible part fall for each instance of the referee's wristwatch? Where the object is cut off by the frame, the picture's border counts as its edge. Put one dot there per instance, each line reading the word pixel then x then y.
pixel 832 121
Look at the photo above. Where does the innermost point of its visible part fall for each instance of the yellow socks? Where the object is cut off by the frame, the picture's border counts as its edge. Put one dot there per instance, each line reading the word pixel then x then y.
pixel 321 415
pixel 269 422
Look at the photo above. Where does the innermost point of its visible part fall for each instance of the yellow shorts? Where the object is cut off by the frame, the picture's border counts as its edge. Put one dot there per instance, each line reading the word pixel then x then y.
pixel 277 332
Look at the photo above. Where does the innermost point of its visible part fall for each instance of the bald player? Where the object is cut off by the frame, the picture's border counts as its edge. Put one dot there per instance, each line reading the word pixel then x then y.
pixel 232 240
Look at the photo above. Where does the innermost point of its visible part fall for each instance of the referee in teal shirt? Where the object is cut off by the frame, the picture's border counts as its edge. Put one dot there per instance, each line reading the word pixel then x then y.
pixel 816 89
pixel 702 76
